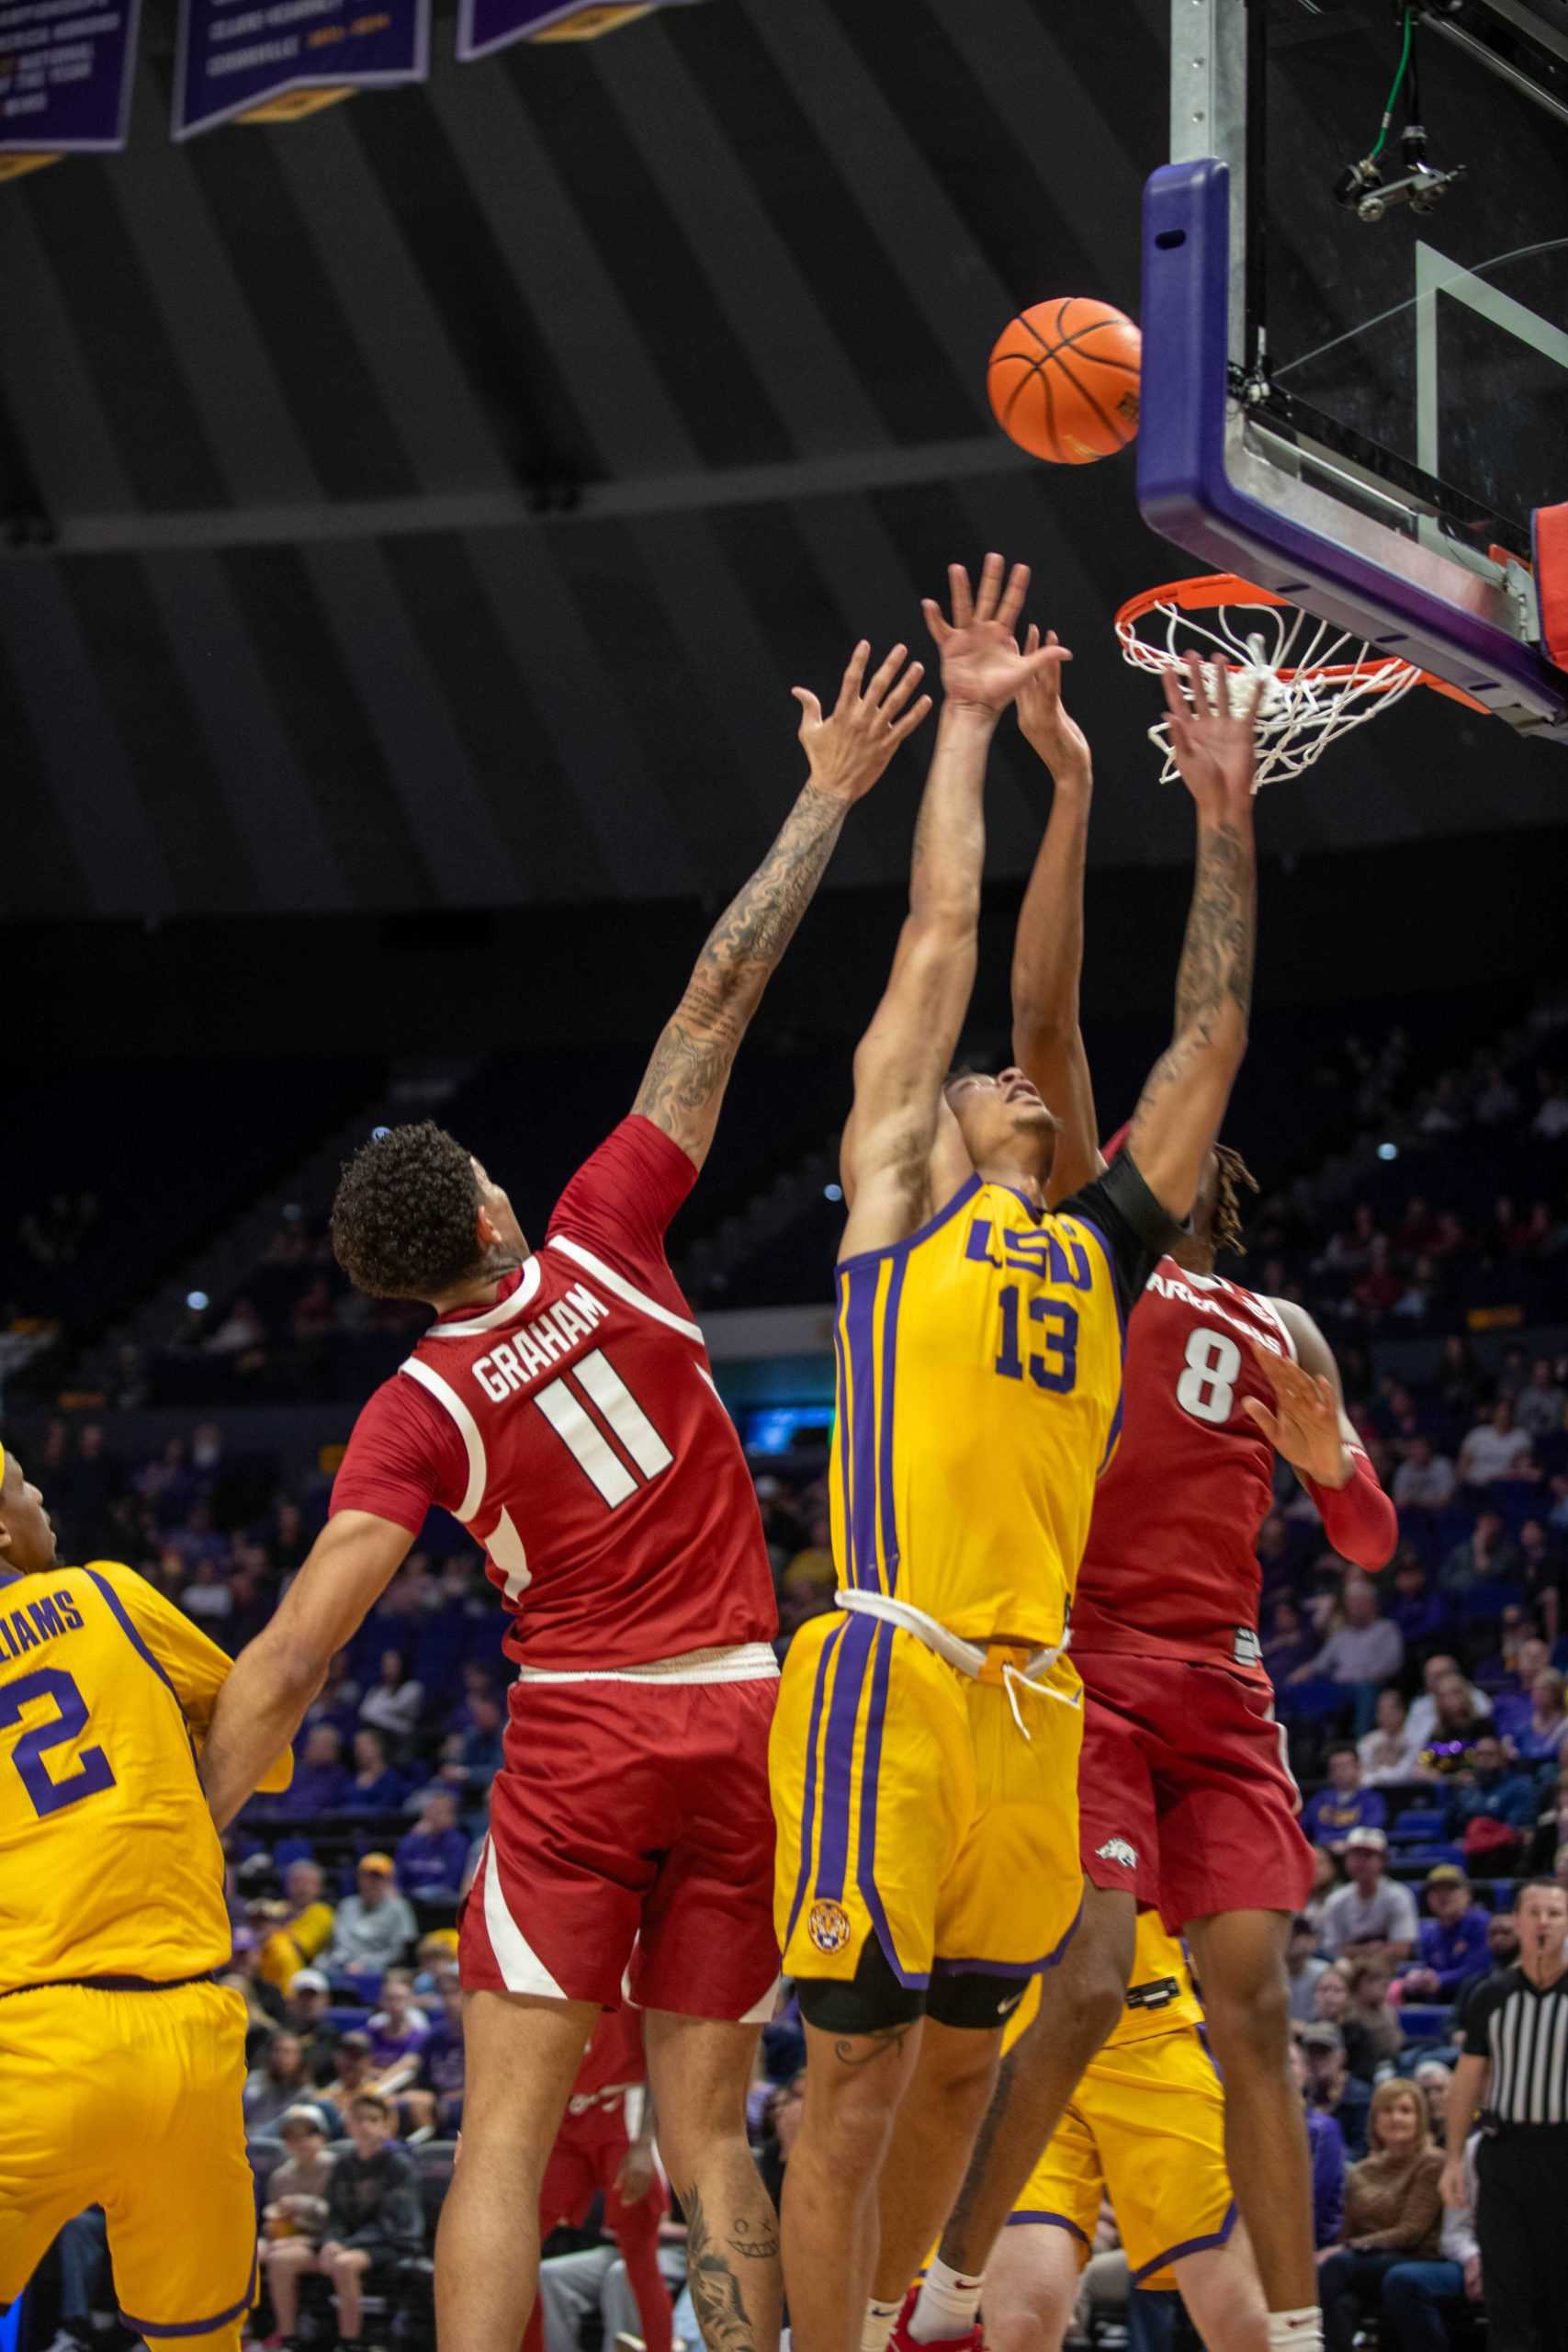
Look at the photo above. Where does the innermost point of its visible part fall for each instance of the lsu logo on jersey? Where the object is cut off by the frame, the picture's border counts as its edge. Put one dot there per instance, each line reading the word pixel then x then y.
pixel 1116 1850
pixel 827 1925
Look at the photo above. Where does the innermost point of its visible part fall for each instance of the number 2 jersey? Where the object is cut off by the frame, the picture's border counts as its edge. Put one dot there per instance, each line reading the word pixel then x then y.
pixel 1170 1568
pixel 573 1427
pixel 109 1862
pixel 980 1398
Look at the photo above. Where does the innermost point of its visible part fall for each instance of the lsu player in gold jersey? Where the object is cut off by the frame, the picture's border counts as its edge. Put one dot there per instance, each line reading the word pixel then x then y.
pixel 121 2059
pixel 1146 2126
pixel 925 1750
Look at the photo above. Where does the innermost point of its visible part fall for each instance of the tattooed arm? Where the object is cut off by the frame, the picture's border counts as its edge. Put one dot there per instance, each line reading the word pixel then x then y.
pixel 887 1149
pixel 1183 1101
pixel 847 751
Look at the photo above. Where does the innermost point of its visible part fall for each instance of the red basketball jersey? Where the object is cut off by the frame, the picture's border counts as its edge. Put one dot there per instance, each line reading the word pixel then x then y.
pixel 1170 1566
pixel 573 1427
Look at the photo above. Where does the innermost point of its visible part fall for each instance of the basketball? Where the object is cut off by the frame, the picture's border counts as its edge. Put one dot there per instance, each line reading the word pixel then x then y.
pixel 1063 379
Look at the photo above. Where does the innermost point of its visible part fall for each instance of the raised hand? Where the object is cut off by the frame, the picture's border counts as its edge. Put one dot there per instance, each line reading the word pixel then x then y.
pixel 1215 744
pixel 1042 720
pixel 981 666
pixel 849 748
pixel 1304 1426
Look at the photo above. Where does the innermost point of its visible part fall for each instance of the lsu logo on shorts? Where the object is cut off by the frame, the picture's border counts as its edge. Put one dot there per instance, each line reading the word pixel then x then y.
pixel 827 1925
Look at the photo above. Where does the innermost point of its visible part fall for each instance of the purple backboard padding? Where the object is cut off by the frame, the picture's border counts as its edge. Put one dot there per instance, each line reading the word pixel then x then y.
pixel 1186 494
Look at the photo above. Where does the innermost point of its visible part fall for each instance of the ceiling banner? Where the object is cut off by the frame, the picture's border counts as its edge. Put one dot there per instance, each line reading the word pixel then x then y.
pixel 484 25
pixel 66 70
pixel 269 60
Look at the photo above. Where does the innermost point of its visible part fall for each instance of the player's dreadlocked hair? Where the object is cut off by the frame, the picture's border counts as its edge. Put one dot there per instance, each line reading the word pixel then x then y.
pixel 402 1221
pixel 1231 1174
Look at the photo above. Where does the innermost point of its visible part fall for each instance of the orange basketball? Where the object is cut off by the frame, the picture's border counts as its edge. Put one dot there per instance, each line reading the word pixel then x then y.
pixel 1064 381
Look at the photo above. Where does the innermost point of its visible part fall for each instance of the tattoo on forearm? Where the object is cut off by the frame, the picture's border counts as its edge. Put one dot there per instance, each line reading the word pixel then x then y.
pixel 1216 955
pixel 867 2048
pixel 717 2296
pixel 693 1057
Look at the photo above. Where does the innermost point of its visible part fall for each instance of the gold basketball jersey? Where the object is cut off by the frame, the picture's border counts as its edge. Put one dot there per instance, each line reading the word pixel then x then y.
pixel 979 1391
pixel 109 1861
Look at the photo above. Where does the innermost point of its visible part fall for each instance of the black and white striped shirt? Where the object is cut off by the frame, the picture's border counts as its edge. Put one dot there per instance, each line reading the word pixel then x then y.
pixel 1523 2033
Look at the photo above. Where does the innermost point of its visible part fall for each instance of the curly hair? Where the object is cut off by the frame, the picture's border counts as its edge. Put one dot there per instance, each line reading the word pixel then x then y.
pixel 1233 1173
pixel 402 1222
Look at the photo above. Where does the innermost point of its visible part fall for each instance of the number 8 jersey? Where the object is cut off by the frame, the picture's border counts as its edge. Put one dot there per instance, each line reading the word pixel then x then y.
pixel 1170 1569
pixel 574 1428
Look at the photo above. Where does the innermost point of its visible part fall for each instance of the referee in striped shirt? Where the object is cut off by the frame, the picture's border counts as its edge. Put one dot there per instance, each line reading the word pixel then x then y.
pixel 1515 2067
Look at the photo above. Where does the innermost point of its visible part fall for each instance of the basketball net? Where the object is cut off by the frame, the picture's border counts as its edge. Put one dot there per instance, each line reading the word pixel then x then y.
pixel 1319 681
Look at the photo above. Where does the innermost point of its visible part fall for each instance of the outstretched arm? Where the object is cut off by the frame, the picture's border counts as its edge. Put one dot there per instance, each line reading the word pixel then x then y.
pixel 904 1054
pixel 1183 1101
pixel 263 1703
pixel 1047 955
pixel 847 751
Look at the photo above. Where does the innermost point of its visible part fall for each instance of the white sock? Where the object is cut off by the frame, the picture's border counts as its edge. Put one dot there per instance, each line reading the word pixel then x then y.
pixel 877 2325
pixel 1296 2331
pixel 949 2306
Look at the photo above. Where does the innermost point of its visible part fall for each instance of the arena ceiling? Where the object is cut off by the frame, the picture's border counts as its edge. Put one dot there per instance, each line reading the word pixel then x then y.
pixel 430 504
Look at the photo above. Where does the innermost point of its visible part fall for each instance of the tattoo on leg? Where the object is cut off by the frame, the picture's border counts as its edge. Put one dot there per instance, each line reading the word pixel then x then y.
pixel 985 2140
pixel 716 2290
pixel 890 2037
pixel 757 2246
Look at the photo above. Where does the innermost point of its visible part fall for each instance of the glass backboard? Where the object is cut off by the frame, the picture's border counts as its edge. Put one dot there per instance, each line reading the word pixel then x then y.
pixel 1356 348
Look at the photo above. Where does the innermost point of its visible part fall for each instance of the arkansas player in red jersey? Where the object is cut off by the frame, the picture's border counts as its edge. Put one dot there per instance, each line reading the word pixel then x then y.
pixel 561 1405
pixel 605 2146
pixel 1186 1799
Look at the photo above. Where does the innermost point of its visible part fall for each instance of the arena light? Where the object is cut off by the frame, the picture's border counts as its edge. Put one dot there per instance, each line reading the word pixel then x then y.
pixel 832 1191
pixel 197 1301
pixel 1388 1151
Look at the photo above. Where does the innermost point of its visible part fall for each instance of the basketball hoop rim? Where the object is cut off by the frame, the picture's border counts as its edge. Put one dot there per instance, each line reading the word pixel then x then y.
pixel 1374 673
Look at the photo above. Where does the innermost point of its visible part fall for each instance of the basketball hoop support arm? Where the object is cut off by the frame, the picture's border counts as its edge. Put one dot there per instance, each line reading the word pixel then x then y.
pixel 1191 478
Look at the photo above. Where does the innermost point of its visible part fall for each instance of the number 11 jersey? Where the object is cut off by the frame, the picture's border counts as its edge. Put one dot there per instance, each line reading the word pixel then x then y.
pixel 574 1428
pixel 1170 1570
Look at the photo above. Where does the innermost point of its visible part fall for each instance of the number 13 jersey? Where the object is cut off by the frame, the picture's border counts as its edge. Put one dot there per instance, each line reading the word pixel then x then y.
pixel 1170 1569
pixel 979 1396
pixel 574 1428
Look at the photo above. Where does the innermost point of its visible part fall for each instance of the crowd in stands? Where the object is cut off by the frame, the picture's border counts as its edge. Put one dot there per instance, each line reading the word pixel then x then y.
pixel 1425 1712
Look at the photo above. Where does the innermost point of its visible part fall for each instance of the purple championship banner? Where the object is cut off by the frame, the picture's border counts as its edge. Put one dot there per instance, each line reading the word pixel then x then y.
pixel 484 25
pixel 270 59
pixel 65 69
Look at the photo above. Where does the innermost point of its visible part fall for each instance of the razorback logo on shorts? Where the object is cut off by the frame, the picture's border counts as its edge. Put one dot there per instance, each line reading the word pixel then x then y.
pixel 1116 1850
pixel 827 1925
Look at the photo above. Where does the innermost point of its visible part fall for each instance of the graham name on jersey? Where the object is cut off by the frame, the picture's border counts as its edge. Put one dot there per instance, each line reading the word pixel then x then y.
pixel 536 1348
pixel 1203 1301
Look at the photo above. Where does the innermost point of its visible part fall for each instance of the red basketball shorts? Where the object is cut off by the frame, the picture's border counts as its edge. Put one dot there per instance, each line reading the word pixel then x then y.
pixel 584 2162
pixel 631 1846
pixel 1185 1795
